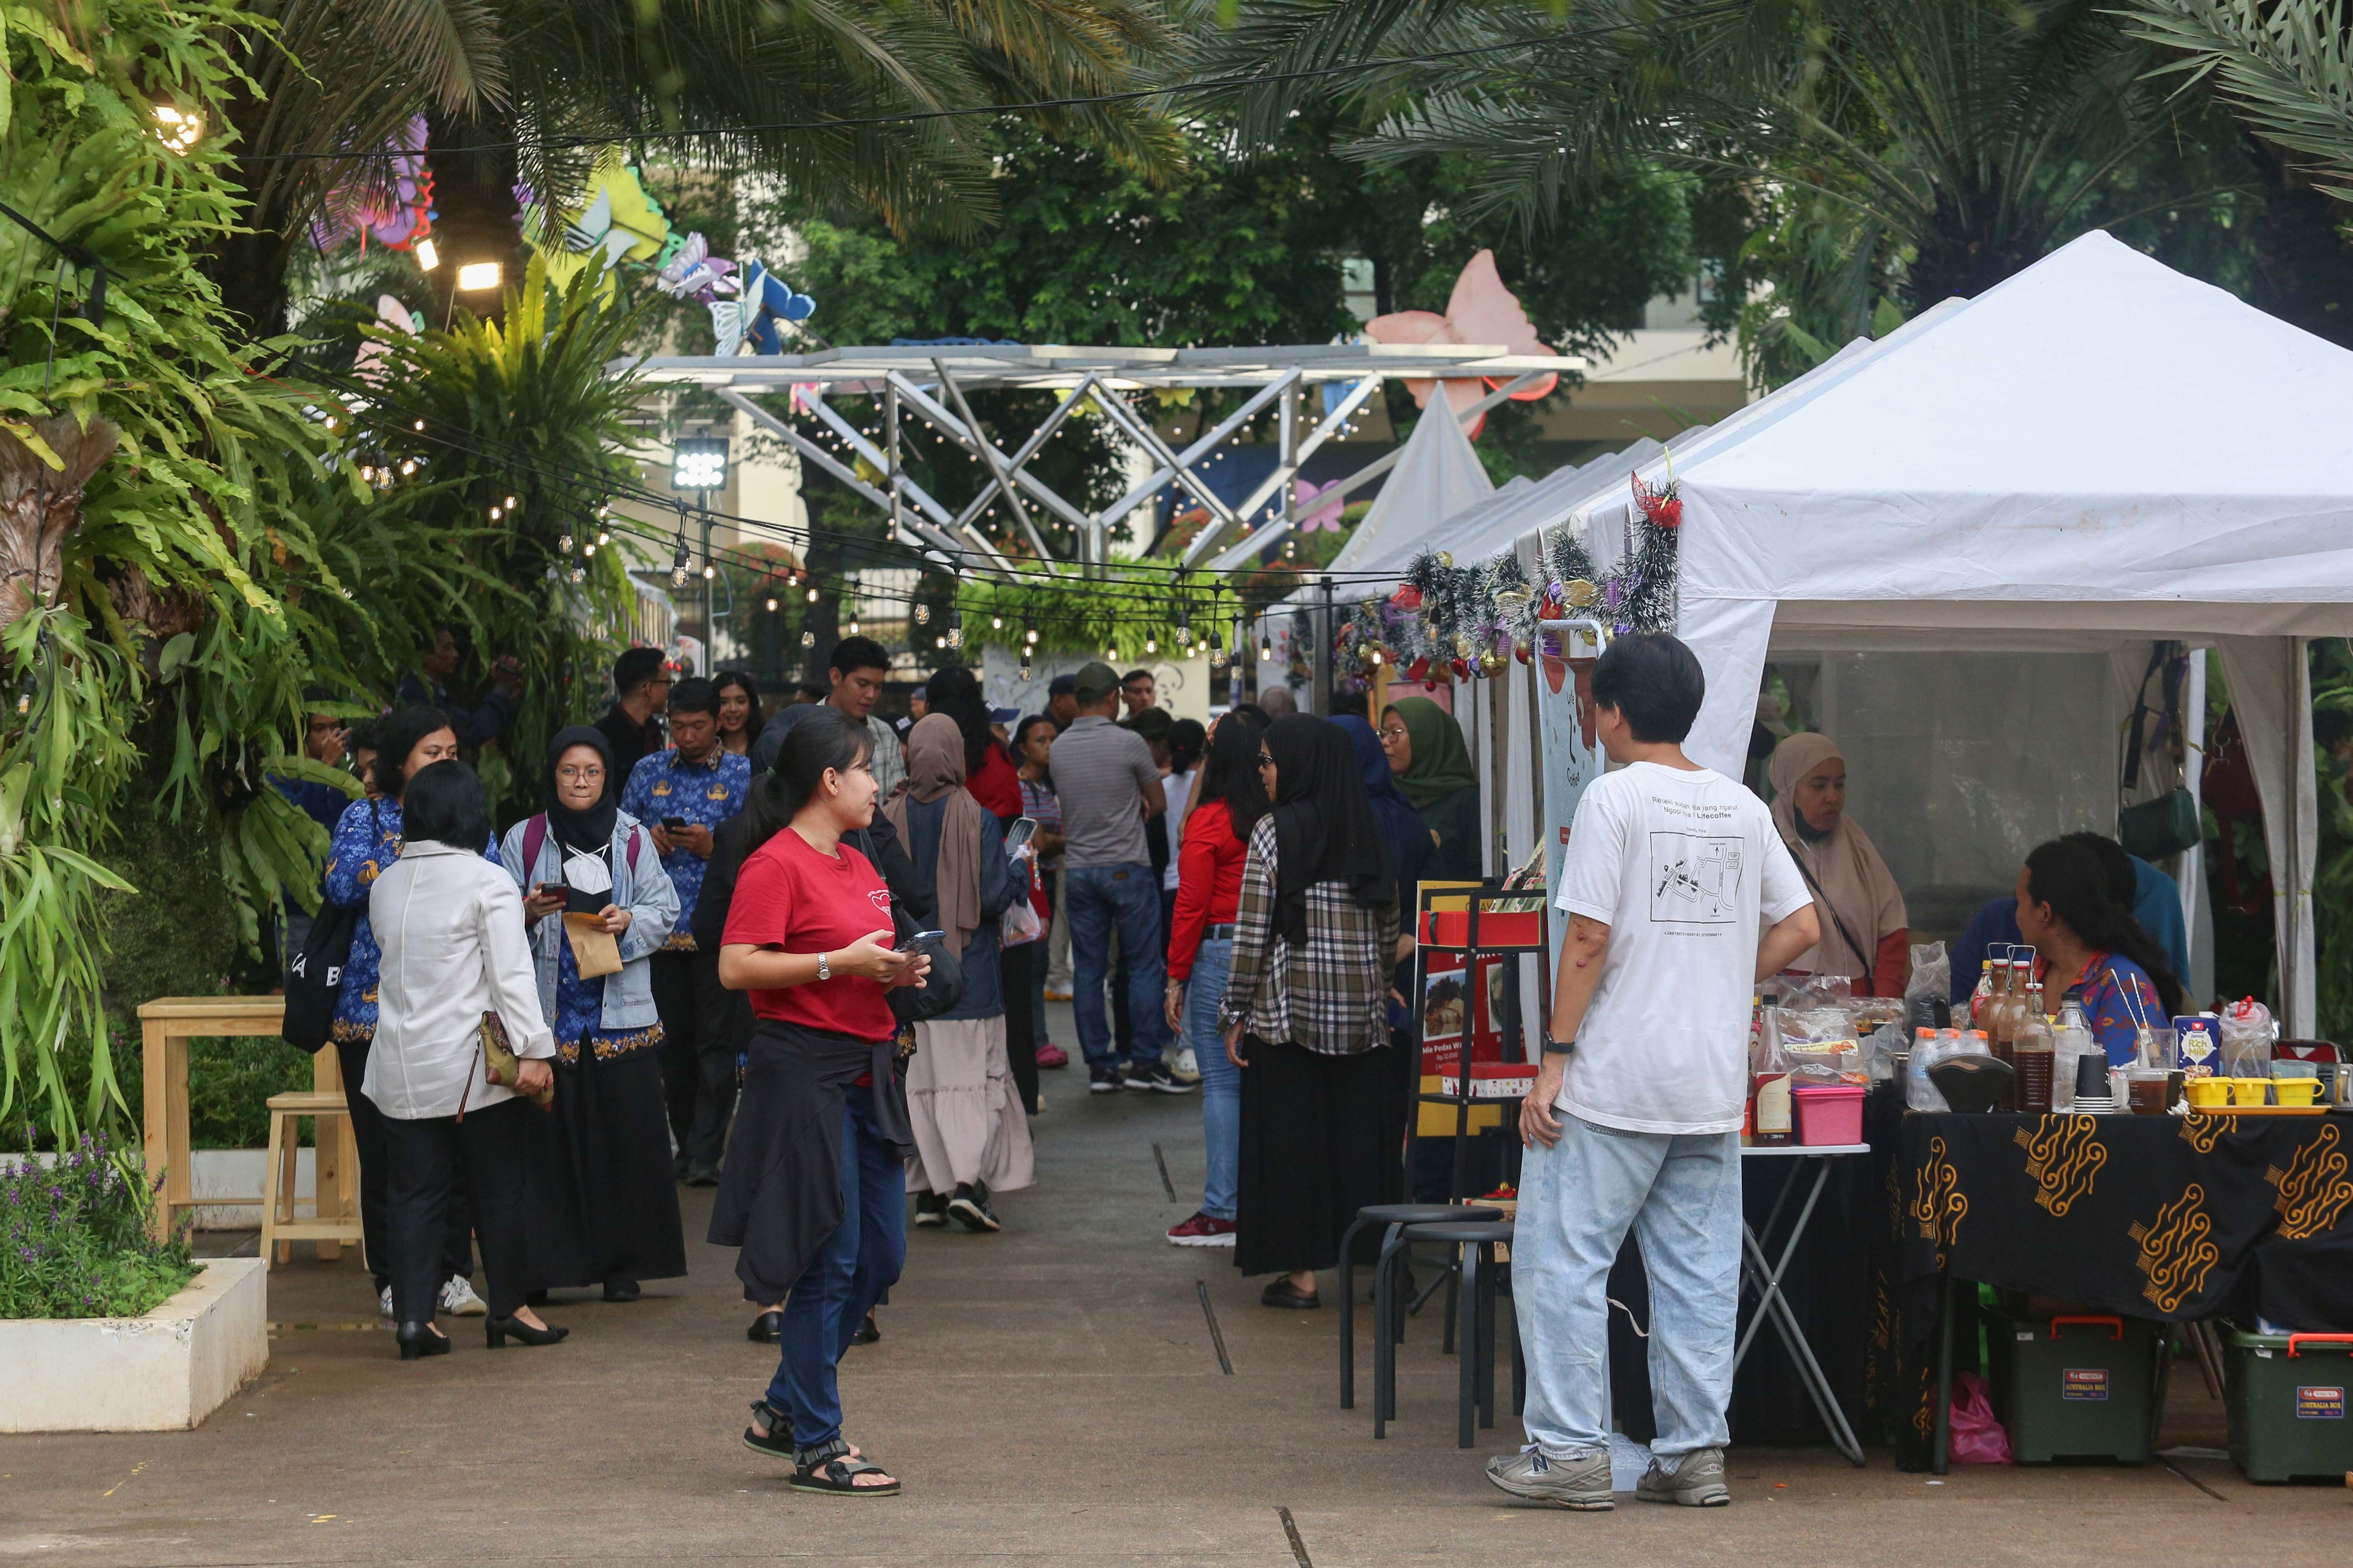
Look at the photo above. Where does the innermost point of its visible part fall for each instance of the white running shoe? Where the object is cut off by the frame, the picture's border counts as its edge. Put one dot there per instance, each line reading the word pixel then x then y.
pixel 458 1299
pixel 383 1303
pixel 1183 1066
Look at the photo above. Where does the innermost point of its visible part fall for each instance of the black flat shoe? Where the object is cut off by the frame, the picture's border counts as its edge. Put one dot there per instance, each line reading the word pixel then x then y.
pixel 868 1332
pixel 418 1340
pixel 498 1331
pixel 767 1328
pixel 621 1291
pixel 1281 1293
pixel 701 1176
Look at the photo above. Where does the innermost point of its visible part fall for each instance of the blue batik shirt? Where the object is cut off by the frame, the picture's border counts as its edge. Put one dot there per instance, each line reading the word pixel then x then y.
pixel 366 842
pixel 706 794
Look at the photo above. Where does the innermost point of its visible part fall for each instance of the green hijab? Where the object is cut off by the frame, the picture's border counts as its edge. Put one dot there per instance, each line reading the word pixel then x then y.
pixel 1442 762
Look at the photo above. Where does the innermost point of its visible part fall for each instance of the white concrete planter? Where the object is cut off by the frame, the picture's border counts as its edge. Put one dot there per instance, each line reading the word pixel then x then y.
pixel 163 1372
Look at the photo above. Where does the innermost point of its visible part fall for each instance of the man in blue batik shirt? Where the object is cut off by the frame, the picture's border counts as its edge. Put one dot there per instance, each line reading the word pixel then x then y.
pixel 680 794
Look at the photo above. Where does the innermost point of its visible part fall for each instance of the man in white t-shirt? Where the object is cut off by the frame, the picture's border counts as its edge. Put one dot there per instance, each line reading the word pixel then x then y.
pixel 1680 896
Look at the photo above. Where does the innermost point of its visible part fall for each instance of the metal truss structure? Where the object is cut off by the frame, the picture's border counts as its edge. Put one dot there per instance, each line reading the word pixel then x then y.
pixel 931 381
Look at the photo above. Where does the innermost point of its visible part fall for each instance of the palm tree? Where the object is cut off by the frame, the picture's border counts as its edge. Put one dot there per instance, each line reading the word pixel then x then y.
pixel 805 90
pixel 2287 69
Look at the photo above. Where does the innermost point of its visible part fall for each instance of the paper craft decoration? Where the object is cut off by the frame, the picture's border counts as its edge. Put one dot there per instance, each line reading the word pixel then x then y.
pixel 1325 516
pixel 1479 310
pixel 756 315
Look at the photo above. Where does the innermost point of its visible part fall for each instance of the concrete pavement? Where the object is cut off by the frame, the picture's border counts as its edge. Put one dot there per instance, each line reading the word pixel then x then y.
pixel 1051 1394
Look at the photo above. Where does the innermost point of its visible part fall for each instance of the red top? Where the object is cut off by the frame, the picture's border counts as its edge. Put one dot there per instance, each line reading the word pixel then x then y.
pixel 996 785
pixel 788 895
pixel 1208 882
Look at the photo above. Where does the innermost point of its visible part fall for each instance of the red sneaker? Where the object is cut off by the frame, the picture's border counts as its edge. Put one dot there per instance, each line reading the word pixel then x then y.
pixel 1053 1057
pixel 1202 1231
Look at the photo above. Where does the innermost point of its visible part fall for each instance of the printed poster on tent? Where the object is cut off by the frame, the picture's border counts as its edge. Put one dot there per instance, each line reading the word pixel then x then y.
pixel 1566 653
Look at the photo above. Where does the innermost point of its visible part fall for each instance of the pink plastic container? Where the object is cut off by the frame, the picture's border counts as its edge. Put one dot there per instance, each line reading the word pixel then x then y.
pixel 1829 1113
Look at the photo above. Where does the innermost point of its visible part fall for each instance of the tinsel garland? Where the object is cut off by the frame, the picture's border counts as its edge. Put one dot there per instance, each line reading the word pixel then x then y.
pixel 1456 622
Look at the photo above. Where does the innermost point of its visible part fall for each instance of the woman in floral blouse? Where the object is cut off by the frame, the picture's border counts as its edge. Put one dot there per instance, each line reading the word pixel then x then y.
pixel 2085 941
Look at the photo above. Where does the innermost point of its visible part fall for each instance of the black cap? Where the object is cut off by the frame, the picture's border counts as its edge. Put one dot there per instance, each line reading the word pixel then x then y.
pixel 1062 686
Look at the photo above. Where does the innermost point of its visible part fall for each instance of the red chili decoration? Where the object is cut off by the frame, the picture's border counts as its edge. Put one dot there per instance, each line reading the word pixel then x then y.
pixel 1407 597
pixel 1663 505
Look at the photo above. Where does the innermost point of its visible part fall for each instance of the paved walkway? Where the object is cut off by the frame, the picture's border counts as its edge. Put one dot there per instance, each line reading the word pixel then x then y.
pixel 1051 1396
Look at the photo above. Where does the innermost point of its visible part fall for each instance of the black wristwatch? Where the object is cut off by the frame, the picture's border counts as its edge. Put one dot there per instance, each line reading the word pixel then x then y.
pixel 1553 1047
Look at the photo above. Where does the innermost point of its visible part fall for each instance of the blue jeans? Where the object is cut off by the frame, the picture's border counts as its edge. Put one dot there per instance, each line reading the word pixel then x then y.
pixel 858 1262
pixel 1128 898
pixel 1221 1081
pixel 1681 1194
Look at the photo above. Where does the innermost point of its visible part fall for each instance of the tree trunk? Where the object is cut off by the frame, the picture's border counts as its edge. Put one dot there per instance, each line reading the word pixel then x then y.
pixel 40 506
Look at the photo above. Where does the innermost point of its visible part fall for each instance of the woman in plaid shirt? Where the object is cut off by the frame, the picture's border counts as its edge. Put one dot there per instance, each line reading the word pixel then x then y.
pixel 1307 1009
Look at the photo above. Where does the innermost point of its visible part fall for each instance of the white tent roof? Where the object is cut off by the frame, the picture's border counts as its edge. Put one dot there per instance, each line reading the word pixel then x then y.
pixel 1437 475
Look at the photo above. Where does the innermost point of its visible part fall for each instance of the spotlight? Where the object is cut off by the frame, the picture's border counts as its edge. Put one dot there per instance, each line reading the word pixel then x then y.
pixel 698 463
pixel 477 277
pixel 429 254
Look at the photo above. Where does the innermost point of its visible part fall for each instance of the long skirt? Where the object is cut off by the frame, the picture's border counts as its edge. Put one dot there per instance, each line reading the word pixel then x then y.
pixel 604 1202
pixel 1313 1151
pixel 969 1120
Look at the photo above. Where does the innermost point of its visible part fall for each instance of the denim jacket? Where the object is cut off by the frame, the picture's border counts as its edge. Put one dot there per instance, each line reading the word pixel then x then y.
pixel 644 890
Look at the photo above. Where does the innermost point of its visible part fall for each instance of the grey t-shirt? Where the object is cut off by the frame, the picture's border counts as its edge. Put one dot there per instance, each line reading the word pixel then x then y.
pixel 1101 772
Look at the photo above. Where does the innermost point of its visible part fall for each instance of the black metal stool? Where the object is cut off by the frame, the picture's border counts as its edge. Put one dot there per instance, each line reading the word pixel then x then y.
pixel 1476 1270
pixel 1396 1216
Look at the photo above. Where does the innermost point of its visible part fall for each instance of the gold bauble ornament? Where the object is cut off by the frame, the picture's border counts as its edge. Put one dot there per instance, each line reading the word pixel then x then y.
pixel 1578 593
pixel 1513 598
pixel 1490 663
pixel 1446 558
pixel 1462 645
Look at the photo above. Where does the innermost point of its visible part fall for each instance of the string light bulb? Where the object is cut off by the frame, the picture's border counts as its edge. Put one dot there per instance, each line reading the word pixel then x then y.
pixel 708 571
pixel 923 615
pixel 809 638
pixel 678 563
pixel 1217 651
pixel 563 542
pixel 772 603
pixel 1151 644
pixel 1266 647
pixel 812 596
pixel 853 626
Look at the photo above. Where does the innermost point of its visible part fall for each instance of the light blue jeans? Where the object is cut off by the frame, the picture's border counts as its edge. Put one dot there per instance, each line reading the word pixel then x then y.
pixel 1221 1081
pixel 1681 1194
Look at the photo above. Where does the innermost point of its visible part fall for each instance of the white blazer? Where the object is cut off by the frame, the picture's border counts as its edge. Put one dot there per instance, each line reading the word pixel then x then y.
pixel 450 925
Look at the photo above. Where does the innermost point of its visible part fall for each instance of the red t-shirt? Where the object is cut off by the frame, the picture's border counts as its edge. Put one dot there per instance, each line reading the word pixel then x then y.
pixel 790 896
pixel 996 785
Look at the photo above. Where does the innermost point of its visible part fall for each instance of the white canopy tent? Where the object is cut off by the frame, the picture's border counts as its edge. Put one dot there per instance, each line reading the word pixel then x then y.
pixel 2096 454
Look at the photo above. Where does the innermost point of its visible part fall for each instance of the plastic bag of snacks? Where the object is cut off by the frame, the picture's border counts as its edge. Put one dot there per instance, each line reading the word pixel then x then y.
pixel 1931 983
pixel 2247 1033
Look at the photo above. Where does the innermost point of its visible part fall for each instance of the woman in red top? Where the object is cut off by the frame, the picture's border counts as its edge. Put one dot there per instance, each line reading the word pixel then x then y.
pixel 813 1189
pixel 1200 951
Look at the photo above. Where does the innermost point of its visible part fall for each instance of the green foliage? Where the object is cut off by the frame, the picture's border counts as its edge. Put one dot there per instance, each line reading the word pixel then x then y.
pixel 74 1241
pixel 2285 68
pixel 2332 880
pixel 1122 609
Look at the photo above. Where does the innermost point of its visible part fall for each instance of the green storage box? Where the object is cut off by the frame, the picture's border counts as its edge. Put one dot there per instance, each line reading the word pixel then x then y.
pixel 2075 1387
pixel 2287 1396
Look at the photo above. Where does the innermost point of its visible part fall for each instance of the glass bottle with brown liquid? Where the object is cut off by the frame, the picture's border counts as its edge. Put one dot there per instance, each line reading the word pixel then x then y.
pixel 2032 1045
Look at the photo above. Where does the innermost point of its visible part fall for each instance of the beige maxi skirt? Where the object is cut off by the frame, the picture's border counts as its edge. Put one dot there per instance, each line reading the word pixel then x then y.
pixel 966 1114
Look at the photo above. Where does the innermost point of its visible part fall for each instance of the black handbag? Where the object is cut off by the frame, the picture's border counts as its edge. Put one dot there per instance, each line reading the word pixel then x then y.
pixel 2171 823
pixel 942 989
pixel 314 978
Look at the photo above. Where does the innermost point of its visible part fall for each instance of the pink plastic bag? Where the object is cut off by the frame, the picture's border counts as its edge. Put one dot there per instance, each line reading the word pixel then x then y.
pixel 1978 1437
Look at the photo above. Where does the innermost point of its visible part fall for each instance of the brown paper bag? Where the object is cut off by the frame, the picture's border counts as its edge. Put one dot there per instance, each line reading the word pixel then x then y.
pixel 593 947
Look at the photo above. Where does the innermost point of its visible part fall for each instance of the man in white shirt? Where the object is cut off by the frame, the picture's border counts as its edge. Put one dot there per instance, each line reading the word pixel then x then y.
pixel 1672 874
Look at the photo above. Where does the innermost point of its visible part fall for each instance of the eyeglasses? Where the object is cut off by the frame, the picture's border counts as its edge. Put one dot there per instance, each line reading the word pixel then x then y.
pixel 1392 734
pixel 1264 761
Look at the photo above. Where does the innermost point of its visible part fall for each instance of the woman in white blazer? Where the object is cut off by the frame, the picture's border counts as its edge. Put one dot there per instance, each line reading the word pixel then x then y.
pixel 449 922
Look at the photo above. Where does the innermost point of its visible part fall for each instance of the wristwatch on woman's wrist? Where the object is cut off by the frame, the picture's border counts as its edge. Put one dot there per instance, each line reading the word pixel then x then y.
pixel 824 969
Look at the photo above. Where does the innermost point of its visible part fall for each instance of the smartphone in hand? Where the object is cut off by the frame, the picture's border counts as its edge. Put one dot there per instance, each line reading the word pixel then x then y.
pixel 673 822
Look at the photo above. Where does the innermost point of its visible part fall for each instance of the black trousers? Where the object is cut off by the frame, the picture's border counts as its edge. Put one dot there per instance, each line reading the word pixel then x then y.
pixel 1021 1028
pixel 367 1132
pixel 435 1158
pixel 704 1025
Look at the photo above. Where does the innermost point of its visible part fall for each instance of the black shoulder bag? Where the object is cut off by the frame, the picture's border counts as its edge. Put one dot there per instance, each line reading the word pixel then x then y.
pixel 944 987
pixel 314 977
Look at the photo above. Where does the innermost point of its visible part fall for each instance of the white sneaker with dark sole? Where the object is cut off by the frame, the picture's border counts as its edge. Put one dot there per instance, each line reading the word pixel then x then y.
pixel 383 1303
pixel 1689 1480
pixel 458 1299
pixel 1582 1483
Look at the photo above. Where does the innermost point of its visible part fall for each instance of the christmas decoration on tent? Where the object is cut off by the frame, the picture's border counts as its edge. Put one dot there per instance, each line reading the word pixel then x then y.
pixel 1479 310
pixel 1453 621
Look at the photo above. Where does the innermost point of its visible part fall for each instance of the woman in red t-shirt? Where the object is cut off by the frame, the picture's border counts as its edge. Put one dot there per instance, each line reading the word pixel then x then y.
pixel 814 1191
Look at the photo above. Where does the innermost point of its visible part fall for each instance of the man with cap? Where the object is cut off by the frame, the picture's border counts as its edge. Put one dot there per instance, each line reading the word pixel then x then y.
pixel 1063 702
pixel 1109 783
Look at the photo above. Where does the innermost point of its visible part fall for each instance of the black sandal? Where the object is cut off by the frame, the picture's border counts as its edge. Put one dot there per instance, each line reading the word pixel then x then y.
pixel 829 1469
pixel 778 1443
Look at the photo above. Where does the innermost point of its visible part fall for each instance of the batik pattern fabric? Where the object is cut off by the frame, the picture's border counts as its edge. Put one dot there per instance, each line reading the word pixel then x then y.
pixel 706 794
pixel 366 842
pixel 579 1006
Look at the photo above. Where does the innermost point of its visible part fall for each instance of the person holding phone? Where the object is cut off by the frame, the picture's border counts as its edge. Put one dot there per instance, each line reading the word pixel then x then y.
pixel 814 1191
pixel 606 1210
pixel 685 791
pixel 970 1121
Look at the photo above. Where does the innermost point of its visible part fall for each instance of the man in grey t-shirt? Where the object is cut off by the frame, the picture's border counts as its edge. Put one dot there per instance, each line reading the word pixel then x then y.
pixel 1108 784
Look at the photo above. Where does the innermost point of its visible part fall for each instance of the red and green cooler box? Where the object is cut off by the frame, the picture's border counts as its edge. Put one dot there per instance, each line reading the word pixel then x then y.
pixel 2287 1401
pixel 2075 1387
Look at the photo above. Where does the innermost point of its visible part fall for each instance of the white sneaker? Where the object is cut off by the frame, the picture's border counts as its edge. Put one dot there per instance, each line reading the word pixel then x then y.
pixel 458 1299
pixel 1184 1068
pixel 383 1303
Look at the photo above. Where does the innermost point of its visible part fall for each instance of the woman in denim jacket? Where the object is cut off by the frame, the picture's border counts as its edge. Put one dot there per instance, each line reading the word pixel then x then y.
pixel 605 1210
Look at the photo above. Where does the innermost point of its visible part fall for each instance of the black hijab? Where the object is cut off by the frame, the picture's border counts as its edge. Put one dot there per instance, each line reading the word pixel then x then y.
pixel 589 831
pixel 1325 828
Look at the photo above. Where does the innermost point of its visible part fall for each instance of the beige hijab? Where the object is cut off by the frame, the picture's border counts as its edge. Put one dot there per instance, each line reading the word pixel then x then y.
pixel 935 768
pixel 1848 878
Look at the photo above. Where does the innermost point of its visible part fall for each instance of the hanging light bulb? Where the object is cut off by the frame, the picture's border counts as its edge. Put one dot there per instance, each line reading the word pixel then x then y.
pixel 1025 664
pixel 942 641
pixel 772 603
pixel 511 503
pixel 809 639
pixel 708 571
pixel 1151 644
pixel 603 537
pixel 812 596
pixel 563 542
pixel 1112 653
pixel 577 573
pixel 678 563
pixel 997 623
pixel 923 615
pixel 494 512
pixel 408 465
pixel 586 551
pixel 421 425
pixel 1217 651
pixel 1265 647
pixel 853 626
pixel 1029 631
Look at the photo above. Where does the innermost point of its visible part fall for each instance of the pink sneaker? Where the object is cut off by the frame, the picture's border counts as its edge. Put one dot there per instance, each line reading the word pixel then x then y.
pixel 1202 1231
pixel 1053 1057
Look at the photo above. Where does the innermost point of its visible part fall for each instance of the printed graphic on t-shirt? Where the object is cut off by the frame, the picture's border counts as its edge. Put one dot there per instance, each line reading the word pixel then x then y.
pixel 1694 881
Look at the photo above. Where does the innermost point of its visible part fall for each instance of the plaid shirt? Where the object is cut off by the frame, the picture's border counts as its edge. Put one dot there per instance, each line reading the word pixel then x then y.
pixel 1333 997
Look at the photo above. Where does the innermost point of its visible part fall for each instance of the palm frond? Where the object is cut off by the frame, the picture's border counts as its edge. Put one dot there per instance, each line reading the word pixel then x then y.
pixel 2287 69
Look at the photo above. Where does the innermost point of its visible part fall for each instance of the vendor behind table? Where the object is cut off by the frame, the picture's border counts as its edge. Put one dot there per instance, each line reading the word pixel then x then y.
pixel 1867 932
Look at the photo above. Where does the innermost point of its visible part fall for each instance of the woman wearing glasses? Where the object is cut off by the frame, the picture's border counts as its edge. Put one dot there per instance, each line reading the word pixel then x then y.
pixel 1306 1010
pixel 1433 769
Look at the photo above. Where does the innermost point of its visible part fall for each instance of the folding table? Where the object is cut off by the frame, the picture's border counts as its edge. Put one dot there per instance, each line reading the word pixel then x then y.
pixel 1764 1275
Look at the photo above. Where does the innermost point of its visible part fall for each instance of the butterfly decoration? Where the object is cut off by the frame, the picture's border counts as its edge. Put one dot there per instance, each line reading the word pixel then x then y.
pixel 1325 516
pixel 618 221
pixel 758 315
pixel 687 269
pixel 392 316
pixel 395 216
pixel 1479 310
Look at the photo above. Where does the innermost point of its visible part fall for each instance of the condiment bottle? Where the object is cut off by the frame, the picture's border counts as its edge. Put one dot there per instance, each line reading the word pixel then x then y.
pixel 2071 1042
pixel 2030 1051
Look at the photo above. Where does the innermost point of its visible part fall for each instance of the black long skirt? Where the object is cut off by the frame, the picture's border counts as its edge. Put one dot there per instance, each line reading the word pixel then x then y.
pixel 1315 1148
pixel 604 1202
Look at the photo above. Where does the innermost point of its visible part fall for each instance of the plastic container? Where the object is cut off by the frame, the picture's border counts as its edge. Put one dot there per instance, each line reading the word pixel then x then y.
pixel 2286 1395
pixel 2296 1090
pixel 1829 1113
pixel 2251 1091
pixel 2075 1387
pixel 2207 1093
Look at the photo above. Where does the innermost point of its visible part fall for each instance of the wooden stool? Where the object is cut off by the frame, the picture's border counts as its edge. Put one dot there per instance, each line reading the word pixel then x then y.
pixel 335 1212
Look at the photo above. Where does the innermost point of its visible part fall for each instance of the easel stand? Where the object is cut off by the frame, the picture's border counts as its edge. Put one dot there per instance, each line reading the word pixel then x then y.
pixel 1486 932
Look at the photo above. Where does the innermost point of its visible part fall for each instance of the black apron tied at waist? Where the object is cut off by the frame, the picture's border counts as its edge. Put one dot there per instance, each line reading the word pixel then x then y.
pixel 780 1191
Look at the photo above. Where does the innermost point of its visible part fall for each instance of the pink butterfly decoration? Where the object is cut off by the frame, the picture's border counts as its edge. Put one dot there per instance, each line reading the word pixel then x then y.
pixel 1325 516
pixel 1479 310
